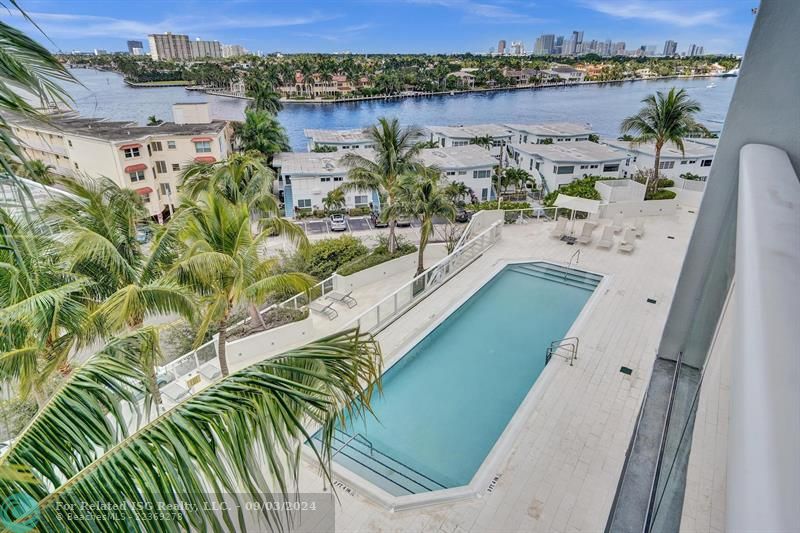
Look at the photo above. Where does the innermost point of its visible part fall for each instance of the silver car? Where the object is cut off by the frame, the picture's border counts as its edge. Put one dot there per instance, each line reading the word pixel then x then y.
pixel 337 223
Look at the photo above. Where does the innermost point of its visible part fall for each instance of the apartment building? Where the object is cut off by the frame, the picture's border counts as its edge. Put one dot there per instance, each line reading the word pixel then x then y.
pixel 449 136
pixel 339 139
pixel 695 158
pixel 170 47
pixel 471 165
pixel 551 132
pixel 555 165
pixel 205 49
pixel 147 159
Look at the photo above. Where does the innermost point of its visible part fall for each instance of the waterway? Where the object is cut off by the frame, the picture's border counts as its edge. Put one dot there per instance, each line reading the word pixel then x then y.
pixel 104 94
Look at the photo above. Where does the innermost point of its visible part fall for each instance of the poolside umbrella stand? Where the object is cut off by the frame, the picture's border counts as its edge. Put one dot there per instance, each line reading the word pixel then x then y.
pixel 573 203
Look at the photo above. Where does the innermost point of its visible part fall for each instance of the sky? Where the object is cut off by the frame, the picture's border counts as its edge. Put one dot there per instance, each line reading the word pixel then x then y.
pixel 390 26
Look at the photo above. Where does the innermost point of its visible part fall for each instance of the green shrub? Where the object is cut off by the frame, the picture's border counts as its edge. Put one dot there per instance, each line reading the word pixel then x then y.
pixel 692 177
pixel 324 149
pixel 359 211
pixel 665 182
pixel 492 204
pixel 661 194
pixel 326 256
pixel 403 246
pixel 363 263
pixel 582 188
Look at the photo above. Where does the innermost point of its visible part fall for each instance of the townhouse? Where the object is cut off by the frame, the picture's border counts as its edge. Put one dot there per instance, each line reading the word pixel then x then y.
pixel 339 139
pixel 449 136
pixel 695 158
pixel 471 165
pixel 550 132
pixel 147 159
pixel 555 165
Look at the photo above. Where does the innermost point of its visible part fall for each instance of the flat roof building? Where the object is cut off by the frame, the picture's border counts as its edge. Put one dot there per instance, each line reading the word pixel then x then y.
pixel 555 131
pixel 471 165
pixel 695 159
pixel 169 47
pixel 339 139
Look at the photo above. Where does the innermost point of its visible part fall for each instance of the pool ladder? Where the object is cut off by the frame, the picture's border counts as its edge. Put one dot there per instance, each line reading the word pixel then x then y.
pixel 566 348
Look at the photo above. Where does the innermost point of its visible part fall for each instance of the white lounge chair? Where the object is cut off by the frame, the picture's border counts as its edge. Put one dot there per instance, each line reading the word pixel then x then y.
pixel 560 229
pixel 175 391
pixel 616 222
pixel 586 232
pixel 638 228
pixel 210 370
pixel 607 238
pixel 321 308
pixel 346 299
pixel 628 241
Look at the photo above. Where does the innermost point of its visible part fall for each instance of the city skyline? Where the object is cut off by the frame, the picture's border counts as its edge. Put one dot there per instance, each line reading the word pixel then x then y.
pixel 362 26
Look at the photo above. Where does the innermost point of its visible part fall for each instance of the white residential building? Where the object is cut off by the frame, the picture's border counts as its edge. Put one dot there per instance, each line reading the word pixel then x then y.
pixel 555 165
pixel 340 139
pixel 147 159
pixel 449 136
pixel 555 131
pixel 564 72
pixel 471 165
pixel 695 159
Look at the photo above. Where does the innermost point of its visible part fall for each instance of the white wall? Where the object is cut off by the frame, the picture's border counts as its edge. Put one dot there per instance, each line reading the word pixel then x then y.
pixel 646 162
pixel 639 209
pixel 407 263
pixel 312 188
pixel 248 350
pixel 620 191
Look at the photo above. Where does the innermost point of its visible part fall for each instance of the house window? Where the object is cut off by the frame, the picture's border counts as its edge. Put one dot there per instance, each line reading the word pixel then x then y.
pixel 705 163
pixel 611 168
pixel 338 178
pixel 593 166
pixel 136 176
pixel 69 142
pixel 202 147
pixel 692 161
pixel 683 162
pixel 166 190
pixel 129 152
pixel 361 199
pixel 161 167
pixel 584 167
pixel 451 173
pixel 176 167
pixel 484 194
pixel 157 147
pixel 460 143
pixel 145 197
pixel 76 166
pixel 462 172
pixel 564 170
pixel 477 174
pixel 304 202
pixel 665 165
pixel 323 180
pixel 171 145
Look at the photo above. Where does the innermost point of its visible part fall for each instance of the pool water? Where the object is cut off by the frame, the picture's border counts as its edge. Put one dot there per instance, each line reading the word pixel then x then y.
pixel 447 400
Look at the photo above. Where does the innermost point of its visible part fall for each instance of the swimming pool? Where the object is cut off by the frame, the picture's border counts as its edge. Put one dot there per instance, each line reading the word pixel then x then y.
pixel 446 402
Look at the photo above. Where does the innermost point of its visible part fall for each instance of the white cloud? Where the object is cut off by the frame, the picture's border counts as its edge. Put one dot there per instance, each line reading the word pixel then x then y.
pixel 670 13
pixel 484 11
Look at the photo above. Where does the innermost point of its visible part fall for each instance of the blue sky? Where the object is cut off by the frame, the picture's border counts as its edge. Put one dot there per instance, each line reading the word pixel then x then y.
pixel 390 25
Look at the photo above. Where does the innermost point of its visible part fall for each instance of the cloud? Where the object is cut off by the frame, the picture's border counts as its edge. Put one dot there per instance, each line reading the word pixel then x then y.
pixel 337 35
pixel 669 13
pixel 484 11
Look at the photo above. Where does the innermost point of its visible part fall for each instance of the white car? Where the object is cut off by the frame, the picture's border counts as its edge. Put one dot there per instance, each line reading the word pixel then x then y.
pixel 337 223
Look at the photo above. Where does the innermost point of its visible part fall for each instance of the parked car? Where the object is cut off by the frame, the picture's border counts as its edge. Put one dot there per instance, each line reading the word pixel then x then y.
pixel 462 215
pixel 376 220
pixel 143 234
pixel 337 222
pixel 403 222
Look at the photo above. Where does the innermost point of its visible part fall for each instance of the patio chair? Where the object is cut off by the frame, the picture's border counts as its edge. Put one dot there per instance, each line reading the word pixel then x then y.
pixel 616 222
pixel 586 232
pixel 607 238
pixel 321 308
pixel 638 228
pixel 210 370
pixel 628 241
pixel 560 229
pixel 175 391
pixel 346 299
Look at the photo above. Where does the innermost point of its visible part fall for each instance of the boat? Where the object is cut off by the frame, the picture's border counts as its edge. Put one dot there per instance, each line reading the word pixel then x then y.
pixel 732 73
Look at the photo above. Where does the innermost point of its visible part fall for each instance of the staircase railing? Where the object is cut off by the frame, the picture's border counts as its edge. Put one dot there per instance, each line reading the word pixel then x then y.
pixel 566 348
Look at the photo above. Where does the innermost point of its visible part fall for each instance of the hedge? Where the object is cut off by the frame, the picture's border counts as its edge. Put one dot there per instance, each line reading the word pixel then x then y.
pixel 661 194
pixel 492 204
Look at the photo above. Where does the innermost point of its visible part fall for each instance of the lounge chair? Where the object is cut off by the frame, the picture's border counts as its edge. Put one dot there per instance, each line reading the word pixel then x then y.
pixel 586 232
pixel 607 238
pixel 346 299
pixel 560 229
pixel 321 308
pixel 638 228
pixel 628 241
pixel 616 222
pixel 210 370
pixel 175 391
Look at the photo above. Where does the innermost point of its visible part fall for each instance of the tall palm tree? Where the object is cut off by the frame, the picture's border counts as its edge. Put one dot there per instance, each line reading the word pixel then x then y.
pixel 664 119
pixel 85 445
pixel 457 191
pixel 224 264
pixel 334 200
pixel 264 96
pixel 37 171
pixel 422 196
pixel 396 153
pixel 263 133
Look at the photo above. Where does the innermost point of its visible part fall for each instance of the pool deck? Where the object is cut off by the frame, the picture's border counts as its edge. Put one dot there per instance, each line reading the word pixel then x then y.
pixel 564 463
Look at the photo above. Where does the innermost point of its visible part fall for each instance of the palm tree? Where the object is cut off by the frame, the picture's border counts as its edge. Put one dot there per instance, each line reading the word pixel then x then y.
pixel 422 196
pixel 518 177
pixel 396 154
pixel 664 119
pixel 82 446
pixel 152 120
pixel 261 132
pixel 334 200
pixel 456 191
pixel 36 170
pixel 484 141
pixel 264 96
pixel 224 265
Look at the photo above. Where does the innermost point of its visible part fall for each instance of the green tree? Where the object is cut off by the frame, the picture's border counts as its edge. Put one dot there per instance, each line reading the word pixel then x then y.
pixel 664 119
pixel 223 264
pixel 334 200
pixel 264 96
pixel 261 132
pixel 152 120
pixel 396 154
pixel 37 171
pixel 457 192
pixel 83 445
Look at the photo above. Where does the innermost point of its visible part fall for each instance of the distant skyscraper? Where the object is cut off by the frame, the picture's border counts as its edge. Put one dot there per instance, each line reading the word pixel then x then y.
pixel 501 47
pixel 670 47
pixel 232 50
pixel 619 49
pixel 544 44
pixel 202 49
pixel 694 50
pixel 135 48
pixel 168 47
pixel 558 47
pixel 517 48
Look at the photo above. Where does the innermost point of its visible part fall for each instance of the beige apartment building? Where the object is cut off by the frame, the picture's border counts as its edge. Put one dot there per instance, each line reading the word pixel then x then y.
pixel 147 159
pixel 169 47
